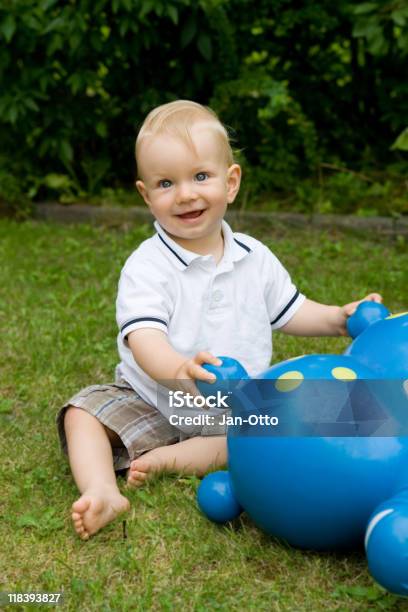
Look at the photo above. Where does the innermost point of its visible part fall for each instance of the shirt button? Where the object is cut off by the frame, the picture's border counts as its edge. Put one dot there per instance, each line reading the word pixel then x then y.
pixel 217 295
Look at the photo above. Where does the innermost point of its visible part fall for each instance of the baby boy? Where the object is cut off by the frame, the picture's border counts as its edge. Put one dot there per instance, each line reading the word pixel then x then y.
pixel 192 291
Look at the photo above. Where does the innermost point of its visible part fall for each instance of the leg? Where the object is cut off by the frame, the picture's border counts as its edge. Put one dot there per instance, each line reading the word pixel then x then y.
pixel 90 457
pixel 192 456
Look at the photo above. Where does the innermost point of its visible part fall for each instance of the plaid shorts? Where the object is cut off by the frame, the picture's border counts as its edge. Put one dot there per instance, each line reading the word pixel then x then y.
pixel 140 427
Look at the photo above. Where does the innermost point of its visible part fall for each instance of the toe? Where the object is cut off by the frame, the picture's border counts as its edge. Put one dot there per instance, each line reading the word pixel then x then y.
pixel 137 476
pixel 132 483
pixel 140 465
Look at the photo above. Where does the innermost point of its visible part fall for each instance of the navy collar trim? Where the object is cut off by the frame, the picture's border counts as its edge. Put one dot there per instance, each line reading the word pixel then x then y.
pixel 244 246
pixel 173 251
pixel 186 257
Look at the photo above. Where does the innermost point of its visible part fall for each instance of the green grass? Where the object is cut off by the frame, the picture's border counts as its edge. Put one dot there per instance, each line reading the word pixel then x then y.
pixel 57 325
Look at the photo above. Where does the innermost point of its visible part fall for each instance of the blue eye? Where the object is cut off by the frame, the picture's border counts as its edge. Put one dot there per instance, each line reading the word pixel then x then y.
pixel 165 183
pixel 201 176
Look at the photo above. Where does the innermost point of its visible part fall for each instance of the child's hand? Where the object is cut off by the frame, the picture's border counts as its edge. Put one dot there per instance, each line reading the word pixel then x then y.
pixel 191 370
pixel 349 309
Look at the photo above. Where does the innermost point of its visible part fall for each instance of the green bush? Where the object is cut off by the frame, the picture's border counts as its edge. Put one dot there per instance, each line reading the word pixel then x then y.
pixel 300 84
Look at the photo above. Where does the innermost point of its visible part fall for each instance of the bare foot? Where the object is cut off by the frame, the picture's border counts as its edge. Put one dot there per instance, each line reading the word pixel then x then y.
pixel 95 509
pixel 143 467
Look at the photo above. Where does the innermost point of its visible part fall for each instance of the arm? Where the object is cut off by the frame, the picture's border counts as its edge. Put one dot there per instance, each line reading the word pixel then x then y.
pixel 314 319
pixel 153 353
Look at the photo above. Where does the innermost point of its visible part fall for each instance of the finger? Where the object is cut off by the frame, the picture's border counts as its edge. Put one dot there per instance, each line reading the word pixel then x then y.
pixel 350 309
pixel 373 297
pixel 196 372
pixel 206 357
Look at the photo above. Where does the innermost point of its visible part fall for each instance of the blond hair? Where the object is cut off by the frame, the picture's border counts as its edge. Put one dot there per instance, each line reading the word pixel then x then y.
pixel 177 118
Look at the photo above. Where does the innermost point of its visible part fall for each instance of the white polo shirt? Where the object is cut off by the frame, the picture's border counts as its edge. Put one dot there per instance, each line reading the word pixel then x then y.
pixel 228 309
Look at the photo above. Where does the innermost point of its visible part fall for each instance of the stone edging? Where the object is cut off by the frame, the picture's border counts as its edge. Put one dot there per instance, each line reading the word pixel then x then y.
pixel 112 216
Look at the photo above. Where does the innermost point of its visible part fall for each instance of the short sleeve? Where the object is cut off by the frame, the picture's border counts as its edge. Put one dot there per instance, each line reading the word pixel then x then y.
pixel 281 296
pixel 143 299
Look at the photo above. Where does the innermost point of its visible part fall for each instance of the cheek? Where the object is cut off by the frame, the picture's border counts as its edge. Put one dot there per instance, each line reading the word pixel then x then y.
pixel 217 192
pixel 160 201
pixel 160 198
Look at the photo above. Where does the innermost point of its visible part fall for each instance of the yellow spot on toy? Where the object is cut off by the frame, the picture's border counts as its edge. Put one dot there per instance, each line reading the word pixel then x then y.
pixel 289 381
pixel 344 373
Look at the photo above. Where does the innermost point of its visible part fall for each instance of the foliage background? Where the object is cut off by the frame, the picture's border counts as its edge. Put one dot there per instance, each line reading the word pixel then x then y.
pixel 315 93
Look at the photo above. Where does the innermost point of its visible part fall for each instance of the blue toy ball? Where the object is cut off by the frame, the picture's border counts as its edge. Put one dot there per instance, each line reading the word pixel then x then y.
pixel 228 374
pixel 331 474
pixel 386 544
pixel 216 498
pixel 366 313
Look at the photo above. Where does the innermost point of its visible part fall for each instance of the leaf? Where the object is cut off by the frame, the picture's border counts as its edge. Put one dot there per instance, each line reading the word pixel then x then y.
pixel 124 27
pixel 365 7
pixel 13 114
pixel 402 43
pixel 401 143
pixel 205 46
pixel 56 43
pixel 101 129
pixel 57 181
pixel 46 4
pixel 31 104
pixel 147 6
pixel 368 28
pixel 378 45
pixel 399 16
pixel 65 151
pixel 188 32
pixel 8 27
pixel 76 82
pixel 172 13
pixel 59 23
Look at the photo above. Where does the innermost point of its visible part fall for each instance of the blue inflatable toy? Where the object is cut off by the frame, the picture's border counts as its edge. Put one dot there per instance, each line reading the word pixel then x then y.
pixel 216 498
pixel 318 448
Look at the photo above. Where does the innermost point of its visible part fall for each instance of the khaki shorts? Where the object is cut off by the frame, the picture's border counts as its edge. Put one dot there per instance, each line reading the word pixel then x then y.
pixel 141 427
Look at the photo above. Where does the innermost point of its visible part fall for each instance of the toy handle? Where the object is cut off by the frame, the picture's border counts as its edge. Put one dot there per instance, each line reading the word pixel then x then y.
pixel 365 315
pixel 228 374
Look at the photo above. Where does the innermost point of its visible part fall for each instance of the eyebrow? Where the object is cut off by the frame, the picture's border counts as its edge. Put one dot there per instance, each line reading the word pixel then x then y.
pixel 202 166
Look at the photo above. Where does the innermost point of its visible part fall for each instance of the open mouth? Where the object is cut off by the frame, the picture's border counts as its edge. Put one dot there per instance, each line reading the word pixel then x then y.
pixel 193 214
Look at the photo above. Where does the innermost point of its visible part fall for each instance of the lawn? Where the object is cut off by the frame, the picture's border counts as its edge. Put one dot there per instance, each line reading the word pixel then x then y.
pixel 58 331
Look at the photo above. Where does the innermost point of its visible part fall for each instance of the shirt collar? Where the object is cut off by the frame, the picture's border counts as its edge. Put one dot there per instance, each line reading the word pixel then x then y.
pixel 234 249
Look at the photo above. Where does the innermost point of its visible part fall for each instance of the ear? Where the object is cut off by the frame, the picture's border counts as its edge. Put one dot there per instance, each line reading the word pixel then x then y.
pixel 233 182
pixel 141 187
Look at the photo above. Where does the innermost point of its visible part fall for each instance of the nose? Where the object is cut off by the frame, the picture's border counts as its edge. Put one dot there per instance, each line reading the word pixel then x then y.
pixel 185 192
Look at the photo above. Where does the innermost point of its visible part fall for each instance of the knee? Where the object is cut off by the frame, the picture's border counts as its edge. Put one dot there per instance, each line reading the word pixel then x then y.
pixel 72 415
